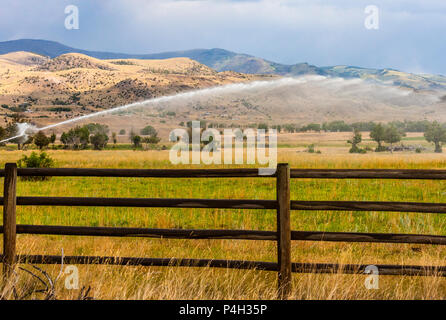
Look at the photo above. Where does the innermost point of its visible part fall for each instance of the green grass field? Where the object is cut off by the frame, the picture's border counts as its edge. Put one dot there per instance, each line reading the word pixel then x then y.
pixel 141 283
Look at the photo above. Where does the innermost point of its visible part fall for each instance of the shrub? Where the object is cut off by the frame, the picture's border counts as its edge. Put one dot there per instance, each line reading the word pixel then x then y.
pixel 381 149
pixel 58 101
pixel 123 62
pixel 35 160
pixel 311 148
pixel 60 109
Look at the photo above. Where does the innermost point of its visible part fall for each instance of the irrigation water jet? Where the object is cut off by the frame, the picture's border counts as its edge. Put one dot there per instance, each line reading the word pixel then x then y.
pixel 25 129
pixel 340 87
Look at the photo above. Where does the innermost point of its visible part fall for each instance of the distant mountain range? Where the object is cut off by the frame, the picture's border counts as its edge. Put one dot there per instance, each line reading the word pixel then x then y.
pixel 224 60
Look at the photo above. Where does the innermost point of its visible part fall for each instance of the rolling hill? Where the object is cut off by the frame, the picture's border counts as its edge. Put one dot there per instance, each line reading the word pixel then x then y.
pixel 49 90
pixel 224 60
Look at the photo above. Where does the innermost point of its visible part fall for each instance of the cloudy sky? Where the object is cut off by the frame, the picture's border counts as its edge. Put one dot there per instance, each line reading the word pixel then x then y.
pixel 411 34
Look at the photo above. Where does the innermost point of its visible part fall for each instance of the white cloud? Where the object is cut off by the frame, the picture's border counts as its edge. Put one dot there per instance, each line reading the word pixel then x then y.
pixel 322 32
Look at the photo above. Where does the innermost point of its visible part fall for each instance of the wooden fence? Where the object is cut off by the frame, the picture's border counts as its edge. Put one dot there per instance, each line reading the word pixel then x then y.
pixel 283 206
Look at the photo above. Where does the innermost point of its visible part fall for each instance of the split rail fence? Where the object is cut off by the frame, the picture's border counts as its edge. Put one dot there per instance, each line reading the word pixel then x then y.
pixel 283 206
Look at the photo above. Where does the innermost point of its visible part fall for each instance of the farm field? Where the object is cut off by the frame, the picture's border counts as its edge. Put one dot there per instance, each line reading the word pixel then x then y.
pixel 114 282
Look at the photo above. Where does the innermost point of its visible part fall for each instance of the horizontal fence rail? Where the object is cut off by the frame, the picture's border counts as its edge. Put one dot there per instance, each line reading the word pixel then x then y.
pixel 384 269
pixel 234 173
pixel 153 262
pixel 228 234
pixel 368 237
pixel 137 173
pixel 368 174
pixel 283 206
pixel 147 202
pixel 421 207
pixel 333 268
pixel 146 232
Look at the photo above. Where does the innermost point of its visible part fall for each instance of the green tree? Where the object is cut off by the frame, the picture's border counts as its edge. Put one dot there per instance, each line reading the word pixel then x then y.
pixel 378 134
pixel 99 140
pixel 53 138
pixel 148 131
pixel 311 127
pixel 41 140
pixel 355 141
pixel 289 128
pixel 76 138
pixel 262 126
pixel 392 135
pixel 152 134
pixel 64 138
pixel 151 140
pixel 94 128
pixel 436 134
pixel 202 124
pixel 115 140
pixel 3 134
pixel 336 126
pixel 136 140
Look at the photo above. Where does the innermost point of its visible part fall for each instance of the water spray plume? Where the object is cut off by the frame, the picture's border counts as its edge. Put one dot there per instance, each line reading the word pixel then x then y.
pixel 336 86
pixel 25 129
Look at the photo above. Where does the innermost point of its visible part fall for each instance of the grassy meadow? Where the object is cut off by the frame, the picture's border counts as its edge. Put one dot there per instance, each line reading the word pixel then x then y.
pixel 115 282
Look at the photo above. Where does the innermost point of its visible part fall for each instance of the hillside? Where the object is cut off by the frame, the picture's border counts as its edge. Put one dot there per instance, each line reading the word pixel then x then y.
pixel 47 91
pixel 24 58
pixel 70 85
pixel 224 60
pixel 72 61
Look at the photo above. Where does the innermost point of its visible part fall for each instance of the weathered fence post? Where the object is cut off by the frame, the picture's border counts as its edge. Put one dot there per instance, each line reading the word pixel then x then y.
pixel 9 219
pixel 283 230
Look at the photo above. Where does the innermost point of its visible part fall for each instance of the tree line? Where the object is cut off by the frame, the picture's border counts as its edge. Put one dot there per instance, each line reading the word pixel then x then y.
pixel 434 132
pixel 342 126
pixel 98 135
pixel 333 126
pixel 81 137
